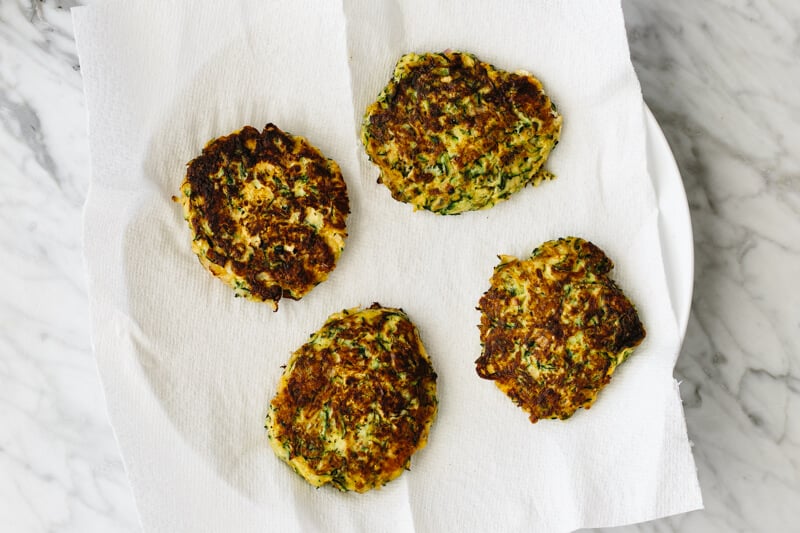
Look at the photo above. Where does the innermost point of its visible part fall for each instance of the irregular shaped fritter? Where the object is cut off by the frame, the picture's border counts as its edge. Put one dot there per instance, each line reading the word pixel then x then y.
pixel 451 133
pixel 356 401
pixel 554 328
pixel 267 213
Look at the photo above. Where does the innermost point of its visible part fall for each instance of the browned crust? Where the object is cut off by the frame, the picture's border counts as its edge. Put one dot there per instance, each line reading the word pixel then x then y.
pixel 552 339
pixel 366 369
pixel 437 92
pixel 291 256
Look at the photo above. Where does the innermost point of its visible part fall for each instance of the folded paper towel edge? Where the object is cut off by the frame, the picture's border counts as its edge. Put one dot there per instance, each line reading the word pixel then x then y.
pixel 76 12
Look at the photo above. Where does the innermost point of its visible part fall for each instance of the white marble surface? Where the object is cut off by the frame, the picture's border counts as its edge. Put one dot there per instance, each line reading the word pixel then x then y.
pixel 721 77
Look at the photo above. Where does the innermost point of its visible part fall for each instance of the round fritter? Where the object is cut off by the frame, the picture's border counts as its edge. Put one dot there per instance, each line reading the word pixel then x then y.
pixel 267 213
pixel 452 134
pixel 554 328
pixel 356 401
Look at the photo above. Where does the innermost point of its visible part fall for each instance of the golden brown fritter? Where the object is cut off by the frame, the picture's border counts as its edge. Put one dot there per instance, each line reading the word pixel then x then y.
pixel 451 133
pixel 356 401
pixel 554 328
pixel 267 213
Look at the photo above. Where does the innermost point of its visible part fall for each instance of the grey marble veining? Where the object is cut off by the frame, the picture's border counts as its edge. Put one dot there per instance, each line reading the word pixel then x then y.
pixel 59 466
pixel 721 78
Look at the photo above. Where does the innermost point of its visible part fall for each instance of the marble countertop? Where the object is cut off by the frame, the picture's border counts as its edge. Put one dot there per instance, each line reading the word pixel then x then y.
pixel 722 79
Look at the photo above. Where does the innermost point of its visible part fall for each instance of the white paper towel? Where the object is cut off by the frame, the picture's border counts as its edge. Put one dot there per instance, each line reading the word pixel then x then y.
pixel 188 370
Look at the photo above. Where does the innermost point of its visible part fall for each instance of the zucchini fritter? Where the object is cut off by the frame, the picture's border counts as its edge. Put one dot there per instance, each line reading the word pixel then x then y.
pixel 356 401
pixel 267 213
pixel 554 328
pixel 452 134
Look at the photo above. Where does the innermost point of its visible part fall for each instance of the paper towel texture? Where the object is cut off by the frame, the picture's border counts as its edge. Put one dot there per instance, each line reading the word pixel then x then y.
pixel 188 370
